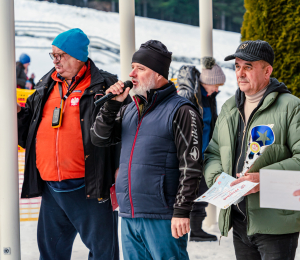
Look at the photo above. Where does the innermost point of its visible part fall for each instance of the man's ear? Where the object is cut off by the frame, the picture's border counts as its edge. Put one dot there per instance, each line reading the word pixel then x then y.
pixel 268 71
pixel 159 77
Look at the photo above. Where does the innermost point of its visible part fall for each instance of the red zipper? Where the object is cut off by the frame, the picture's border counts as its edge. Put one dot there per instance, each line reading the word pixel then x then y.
pixel 132 150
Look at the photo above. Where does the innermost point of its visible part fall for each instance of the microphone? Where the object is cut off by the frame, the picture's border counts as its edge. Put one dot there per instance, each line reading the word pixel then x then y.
pixel 109 96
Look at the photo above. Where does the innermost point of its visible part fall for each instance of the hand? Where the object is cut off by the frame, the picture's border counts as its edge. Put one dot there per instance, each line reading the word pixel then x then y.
pixel 117 89
pixel 18 108
pixel 297 193
pixel 116 174
pixel 180 227
pixel 253 177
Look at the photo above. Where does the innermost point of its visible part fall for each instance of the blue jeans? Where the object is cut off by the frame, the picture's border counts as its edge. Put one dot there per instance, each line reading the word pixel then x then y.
pixel 147 239
pixel 64 214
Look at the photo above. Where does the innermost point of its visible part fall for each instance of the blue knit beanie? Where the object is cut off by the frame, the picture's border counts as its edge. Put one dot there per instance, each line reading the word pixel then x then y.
pixel 24 58
pixel 74 42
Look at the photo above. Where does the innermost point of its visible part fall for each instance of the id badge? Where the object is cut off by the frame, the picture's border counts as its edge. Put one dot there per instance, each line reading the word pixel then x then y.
pixel 57 115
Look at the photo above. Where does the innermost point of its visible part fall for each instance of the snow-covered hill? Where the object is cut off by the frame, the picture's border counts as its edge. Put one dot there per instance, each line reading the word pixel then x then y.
pixel 182 40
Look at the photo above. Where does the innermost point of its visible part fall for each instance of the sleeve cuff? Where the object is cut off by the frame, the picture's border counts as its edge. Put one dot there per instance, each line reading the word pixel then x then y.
pixel 113 106
pixel 181 213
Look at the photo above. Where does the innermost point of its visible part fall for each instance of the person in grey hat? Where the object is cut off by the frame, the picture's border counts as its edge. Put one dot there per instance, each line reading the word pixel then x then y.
pixel 258 128
pixel 201 90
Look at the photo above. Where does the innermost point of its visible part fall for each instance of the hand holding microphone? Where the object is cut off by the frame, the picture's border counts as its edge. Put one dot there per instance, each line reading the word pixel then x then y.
pixel 119 91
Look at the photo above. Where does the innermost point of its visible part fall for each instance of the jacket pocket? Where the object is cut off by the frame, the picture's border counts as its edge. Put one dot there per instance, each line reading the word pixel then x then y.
pixel 162 194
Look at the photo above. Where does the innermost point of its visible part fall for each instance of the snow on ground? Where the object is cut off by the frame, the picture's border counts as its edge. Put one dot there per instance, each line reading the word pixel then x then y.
pixel 182 40
pixel 196 250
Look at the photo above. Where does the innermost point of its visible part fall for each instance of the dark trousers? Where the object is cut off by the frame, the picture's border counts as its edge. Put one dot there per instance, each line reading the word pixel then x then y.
pixel 263 246
pixel 64 214
pixel 199 207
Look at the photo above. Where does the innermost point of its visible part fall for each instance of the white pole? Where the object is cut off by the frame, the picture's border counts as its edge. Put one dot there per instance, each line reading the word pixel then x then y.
pixel 127 36
pixel 206 27
pixel 9 181
pixel 206 30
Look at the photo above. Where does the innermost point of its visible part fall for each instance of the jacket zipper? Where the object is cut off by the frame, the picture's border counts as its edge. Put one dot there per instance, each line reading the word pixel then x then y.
pixel 245 128
pixel 57 159
pixel 132 150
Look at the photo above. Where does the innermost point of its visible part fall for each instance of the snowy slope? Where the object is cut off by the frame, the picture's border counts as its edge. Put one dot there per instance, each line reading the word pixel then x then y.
pixel 182 40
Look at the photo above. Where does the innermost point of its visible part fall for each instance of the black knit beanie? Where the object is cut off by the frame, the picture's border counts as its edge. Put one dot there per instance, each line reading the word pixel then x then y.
pixel 154 55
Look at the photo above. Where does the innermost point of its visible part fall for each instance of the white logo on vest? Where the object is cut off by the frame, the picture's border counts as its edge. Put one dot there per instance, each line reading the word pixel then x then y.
pixel 194 153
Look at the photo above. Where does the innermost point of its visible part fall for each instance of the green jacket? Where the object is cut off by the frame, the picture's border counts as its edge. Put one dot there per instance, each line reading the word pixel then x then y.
pixel 282 110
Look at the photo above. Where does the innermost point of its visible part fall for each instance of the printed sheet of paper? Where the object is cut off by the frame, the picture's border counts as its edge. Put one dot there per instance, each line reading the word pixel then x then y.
pixel 277 188
pixel 222 195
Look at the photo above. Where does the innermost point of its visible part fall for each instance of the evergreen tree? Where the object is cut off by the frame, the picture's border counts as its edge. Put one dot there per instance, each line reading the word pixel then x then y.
pixel 278 23
pixel 228 14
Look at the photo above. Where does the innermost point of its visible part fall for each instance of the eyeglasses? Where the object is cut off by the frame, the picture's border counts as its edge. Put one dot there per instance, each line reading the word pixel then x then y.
pixel 56 56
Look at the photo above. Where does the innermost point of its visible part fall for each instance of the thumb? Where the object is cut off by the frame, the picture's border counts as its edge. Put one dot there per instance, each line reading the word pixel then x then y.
pixel 296 193
pixel 246 173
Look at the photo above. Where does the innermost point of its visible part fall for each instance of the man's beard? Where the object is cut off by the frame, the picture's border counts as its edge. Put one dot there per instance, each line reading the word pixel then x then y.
pixel 142 88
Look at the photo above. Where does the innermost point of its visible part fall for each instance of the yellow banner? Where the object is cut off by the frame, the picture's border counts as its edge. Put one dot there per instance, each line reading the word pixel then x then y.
pixel 22 95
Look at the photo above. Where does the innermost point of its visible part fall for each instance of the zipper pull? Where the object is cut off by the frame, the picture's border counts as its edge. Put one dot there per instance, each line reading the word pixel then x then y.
pixel 220 240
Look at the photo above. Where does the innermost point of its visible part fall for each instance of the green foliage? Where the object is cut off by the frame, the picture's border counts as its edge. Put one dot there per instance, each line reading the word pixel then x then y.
pixel 227 14
pixel 233 12
pixel 278 23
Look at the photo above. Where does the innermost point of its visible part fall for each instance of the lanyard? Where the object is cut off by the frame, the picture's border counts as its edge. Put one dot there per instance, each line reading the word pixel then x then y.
pixel 70 90
pixel 58 112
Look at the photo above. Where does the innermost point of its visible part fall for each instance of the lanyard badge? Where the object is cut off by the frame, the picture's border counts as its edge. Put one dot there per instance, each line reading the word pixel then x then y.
pixel 57 115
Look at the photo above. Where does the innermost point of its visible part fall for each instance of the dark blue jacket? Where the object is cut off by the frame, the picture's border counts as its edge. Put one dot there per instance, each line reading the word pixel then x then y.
pixel 209 116
pixel 148 177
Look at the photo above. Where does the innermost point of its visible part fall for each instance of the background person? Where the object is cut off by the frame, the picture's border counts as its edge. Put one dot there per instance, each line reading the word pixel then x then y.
pixel 262 110
pixel 61 164
pixel 201 90
pixel 21 72
pixel 161 160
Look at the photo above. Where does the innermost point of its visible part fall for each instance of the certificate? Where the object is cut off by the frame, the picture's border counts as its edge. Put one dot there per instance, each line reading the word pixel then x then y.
pixel 222 195
pixel 277 188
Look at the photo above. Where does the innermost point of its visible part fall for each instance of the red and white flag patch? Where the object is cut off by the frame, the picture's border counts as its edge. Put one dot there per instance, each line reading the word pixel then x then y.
pixel 74 101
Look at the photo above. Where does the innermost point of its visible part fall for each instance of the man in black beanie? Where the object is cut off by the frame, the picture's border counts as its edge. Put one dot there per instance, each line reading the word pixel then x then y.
pixel 161 160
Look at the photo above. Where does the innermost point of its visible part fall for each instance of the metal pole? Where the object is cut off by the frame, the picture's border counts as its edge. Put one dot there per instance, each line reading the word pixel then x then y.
pixel 127 36
pixel 206 30
pixel 9 180
pixel 206 27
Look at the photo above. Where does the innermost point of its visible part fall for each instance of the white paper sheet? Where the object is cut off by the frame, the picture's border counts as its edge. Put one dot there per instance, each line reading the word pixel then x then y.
pixel 222 195
pixel 277 188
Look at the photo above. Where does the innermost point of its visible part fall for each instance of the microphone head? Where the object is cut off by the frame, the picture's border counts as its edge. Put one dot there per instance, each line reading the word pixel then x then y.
pixel 128 84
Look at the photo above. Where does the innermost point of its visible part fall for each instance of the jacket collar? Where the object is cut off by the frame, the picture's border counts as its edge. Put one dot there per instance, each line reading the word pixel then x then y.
pixel 274 86
pixel 161 93
pixel 204 93
pixel 46 81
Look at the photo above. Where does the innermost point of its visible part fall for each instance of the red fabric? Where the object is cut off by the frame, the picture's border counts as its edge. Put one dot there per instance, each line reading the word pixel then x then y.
pixel 59 151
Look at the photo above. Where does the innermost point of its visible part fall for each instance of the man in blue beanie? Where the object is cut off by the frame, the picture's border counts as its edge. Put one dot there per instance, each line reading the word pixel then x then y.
pixel 21 71
pixel 62 165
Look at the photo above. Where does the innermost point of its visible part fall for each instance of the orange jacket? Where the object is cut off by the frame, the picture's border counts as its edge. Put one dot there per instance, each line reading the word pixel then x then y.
pixel 59 151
